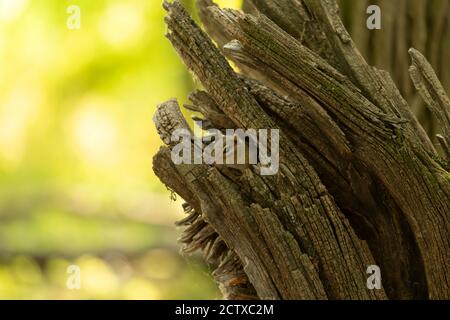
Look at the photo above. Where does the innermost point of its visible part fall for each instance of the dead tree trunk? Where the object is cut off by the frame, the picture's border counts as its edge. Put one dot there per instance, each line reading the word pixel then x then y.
pixel 420 24
pixel 359 181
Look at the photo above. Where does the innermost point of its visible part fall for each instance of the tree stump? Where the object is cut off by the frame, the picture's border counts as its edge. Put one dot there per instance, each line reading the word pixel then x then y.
pixel 359 182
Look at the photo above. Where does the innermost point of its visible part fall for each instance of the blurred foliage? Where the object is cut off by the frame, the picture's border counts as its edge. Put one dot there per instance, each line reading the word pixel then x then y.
pixel 76 143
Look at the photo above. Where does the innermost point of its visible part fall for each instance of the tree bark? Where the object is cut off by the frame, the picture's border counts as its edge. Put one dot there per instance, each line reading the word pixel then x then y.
pixel 360 182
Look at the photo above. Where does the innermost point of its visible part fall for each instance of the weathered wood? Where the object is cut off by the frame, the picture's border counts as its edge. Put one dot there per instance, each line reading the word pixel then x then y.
pixel 360 182
pixel 432 92
pixel 420 24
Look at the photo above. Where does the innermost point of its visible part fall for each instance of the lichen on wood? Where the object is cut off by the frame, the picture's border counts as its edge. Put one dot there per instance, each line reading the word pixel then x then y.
pixel 359 181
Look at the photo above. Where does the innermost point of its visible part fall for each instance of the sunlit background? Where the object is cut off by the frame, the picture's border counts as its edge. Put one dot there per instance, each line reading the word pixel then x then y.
pixel 76 147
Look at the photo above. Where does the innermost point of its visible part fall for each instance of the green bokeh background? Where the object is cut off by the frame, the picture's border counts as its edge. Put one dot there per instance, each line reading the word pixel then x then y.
pixel 76 147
